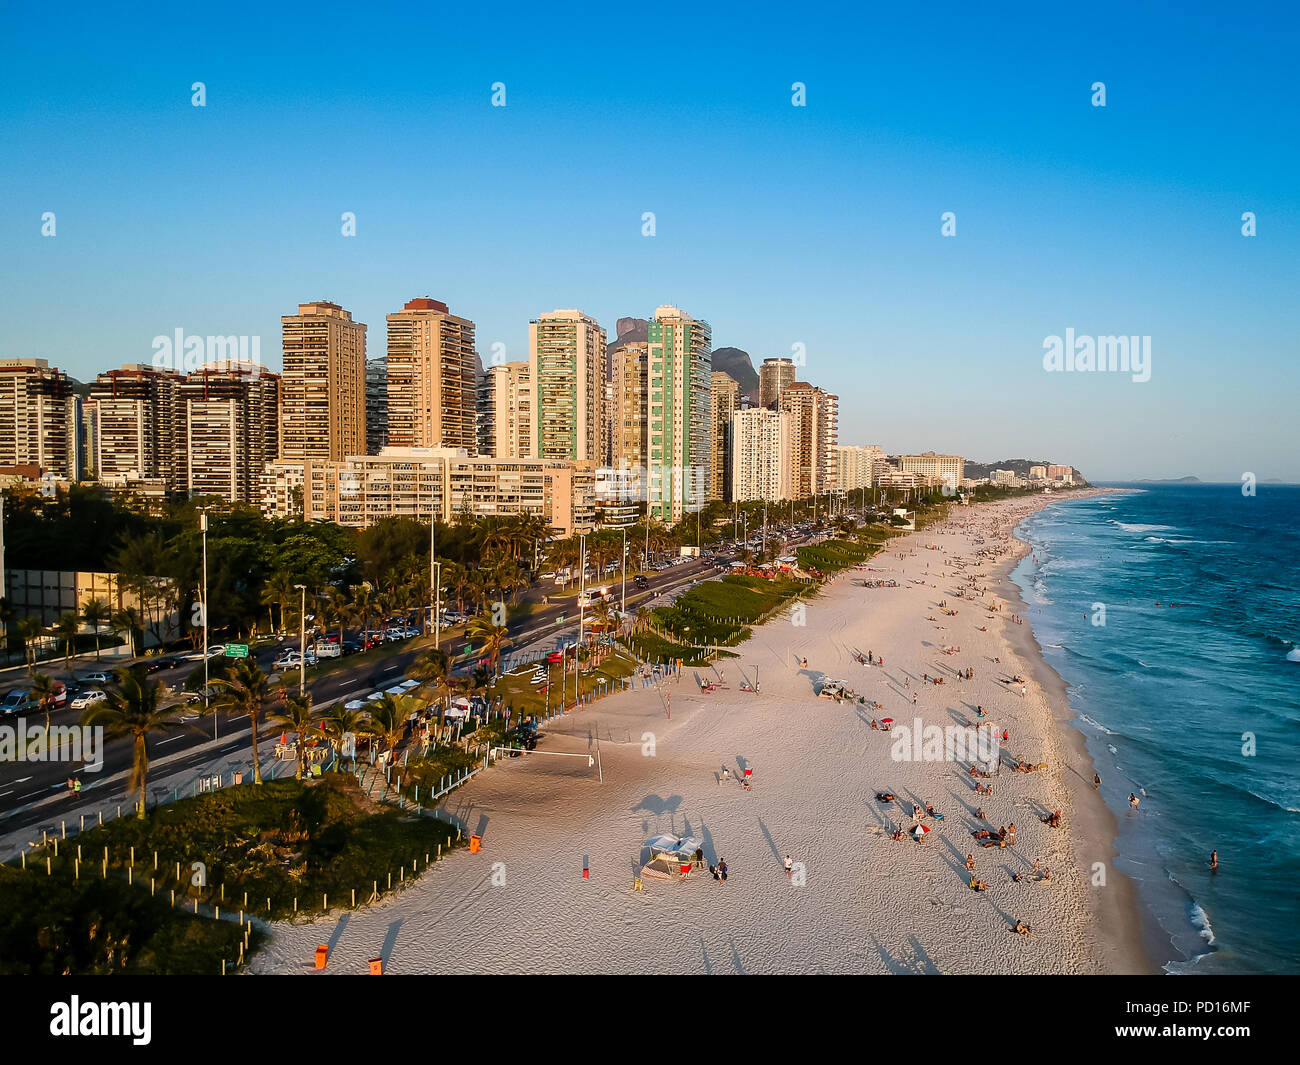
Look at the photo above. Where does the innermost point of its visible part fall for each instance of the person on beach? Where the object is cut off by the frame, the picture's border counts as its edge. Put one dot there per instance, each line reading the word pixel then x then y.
pixel 789 866
pixel 1096 781
pixel 1214 861
pixel 722 869
pixel 913 698
pixel 1133 800
pixel 970 862
pixel 726 775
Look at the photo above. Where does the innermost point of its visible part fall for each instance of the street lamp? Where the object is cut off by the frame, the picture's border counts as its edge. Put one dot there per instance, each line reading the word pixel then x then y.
pixel 437 604
pixel 624 606
pixel 302 642
pixel 203 531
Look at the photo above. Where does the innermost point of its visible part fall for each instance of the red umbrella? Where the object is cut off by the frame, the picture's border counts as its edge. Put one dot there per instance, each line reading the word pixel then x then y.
pixel 886 720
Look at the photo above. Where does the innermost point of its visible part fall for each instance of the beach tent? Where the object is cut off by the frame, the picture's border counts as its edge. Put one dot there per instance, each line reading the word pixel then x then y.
pixel 395 690
pixel 671 857
pixel 407 685
pixel 355 704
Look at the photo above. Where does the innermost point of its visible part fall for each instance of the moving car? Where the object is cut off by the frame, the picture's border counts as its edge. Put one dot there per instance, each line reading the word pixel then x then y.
pixel 88 699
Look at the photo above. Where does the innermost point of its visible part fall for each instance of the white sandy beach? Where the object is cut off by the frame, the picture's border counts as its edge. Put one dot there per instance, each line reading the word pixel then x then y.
pixel 869 904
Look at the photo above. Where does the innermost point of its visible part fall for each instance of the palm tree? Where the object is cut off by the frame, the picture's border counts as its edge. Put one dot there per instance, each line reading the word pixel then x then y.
pixel 278 590
pixel 296 715
pixel 244 689
pixel 43 689
pixel 127 620
pixel 388 719
pixel 363 607
pixel 431 669
pixel 495 638
pixel 66 629
pixel 339 721
pixel 131 709
pixel 28 630
pixel 94 613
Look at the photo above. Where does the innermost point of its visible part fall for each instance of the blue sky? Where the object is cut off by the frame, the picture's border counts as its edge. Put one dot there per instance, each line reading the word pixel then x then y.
pixel 780 225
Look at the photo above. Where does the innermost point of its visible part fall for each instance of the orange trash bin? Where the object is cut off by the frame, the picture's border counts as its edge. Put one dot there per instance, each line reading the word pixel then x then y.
pixel 376 966
pixel 322 956
pixel 475 844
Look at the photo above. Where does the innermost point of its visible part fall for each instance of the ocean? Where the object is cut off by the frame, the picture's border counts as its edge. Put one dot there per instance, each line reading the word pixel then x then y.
pixel 1173 615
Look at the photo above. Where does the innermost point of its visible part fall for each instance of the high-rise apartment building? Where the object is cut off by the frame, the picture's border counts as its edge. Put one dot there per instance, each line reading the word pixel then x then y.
pixel 432 378
pixel 323 386
pixel 566 360
pixel 376 405
pixel 38 418
pixel 724 402
pixel 446 482
pixel 774 375
pixel 935 469
pixel 630 405
pixel 677 430
pixel 231 429
pixel 505 411
pixel 855 466
pixel 141 427
pixel 762 455
pixel 815 424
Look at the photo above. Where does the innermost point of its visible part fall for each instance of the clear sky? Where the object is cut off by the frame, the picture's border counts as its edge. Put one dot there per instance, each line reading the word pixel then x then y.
pixel 780 225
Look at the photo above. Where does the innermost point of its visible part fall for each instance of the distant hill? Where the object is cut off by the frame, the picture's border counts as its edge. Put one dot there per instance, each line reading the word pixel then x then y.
pixel 736 364
pixel 1169 480
pixel 631 331
pixel 976 470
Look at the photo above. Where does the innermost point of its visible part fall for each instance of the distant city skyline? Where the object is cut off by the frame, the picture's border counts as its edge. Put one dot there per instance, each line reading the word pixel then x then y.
pixel 811 230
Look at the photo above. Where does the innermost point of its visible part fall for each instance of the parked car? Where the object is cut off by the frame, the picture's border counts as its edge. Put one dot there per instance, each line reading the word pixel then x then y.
pixel 325 649
pixel 99 677
pixel 24 700
pixel 291 659
pixel 88 699
pixel 351 647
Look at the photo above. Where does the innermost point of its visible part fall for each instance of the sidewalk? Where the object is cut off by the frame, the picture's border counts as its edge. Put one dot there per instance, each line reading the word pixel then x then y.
pixel 101 799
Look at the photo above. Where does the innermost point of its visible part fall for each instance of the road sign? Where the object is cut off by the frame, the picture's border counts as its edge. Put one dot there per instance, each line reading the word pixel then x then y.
pixel 236 650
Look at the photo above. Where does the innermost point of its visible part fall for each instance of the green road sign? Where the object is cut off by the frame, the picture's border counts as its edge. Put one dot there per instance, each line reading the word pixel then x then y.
pixel 236 650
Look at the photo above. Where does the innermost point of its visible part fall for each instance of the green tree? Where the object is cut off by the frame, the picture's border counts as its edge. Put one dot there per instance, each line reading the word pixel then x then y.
pixel 388 719
pixel 66 629
pixel 296 715
pixel 131 709
pixel 245 689
pixel 94 613
pixel 495 638
pixel 431 670
pixel 43 690
pixel 339 721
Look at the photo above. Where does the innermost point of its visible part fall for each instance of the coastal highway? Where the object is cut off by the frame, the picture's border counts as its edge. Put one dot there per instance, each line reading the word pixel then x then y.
pixel 356 676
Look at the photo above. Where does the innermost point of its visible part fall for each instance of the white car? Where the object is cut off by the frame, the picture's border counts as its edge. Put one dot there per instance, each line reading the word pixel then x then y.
pixel 293 660
pixel 88 698
pixel 99 678
pixel 325 649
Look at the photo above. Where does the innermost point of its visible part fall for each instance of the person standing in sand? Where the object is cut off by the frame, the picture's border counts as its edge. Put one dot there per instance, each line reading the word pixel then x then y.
pixel 789 867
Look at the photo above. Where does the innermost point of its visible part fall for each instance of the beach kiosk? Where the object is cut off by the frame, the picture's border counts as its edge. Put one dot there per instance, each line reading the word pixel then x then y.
pixel 671 857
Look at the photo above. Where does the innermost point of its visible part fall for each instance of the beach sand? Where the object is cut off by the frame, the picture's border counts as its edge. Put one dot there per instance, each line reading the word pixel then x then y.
pixel 858 902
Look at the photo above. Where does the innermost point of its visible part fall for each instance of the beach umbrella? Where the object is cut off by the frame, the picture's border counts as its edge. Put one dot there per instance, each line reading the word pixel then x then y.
pixel 886 720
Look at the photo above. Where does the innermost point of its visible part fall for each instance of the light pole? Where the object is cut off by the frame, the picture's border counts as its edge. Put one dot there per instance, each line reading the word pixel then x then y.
pixel 437 605
pixel 624 606
pixel 433 606
pixel 582 591
pixel 302 642
pixel 203 531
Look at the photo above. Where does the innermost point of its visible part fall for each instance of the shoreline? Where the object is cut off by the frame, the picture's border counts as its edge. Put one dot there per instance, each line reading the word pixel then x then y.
pixel 553 889
pixel 1116 913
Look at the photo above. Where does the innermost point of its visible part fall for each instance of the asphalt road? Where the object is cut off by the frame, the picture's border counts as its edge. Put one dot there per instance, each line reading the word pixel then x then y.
pixel 358 675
